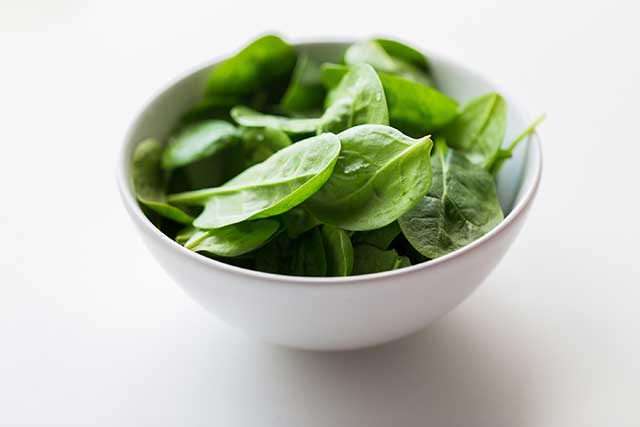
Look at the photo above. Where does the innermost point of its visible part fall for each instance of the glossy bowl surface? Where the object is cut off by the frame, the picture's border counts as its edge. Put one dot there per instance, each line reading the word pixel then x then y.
pixel 336 313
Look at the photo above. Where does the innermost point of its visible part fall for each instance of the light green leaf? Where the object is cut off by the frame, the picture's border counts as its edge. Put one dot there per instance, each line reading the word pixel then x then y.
pixel 272 187
pixel 305 92
pixel 479 129
pixel 245 116
pixel 358 99
pixel 233 240
pixel 379 176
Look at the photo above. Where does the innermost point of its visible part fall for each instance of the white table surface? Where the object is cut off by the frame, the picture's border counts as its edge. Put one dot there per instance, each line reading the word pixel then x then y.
pixel 92 332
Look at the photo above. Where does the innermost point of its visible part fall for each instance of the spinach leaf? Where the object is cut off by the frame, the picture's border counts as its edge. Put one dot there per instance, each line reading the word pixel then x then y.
pixel 369 259
pixel 263 66
pixel 276 256
pixel 339 251
pixel 297 221
pixel 357 100
pixel 461 206
pixel 197 141
pixel 371 52
pixel 211 107
pixel 149 181
pixel 381 238
pixel 233 240
pixel 379 176
pixel 272 187
pixel 479 129
pixel 305 92
pixel 505 154
pixel 245 116
pixel 404 53
pixel 414 109
pixel 258 144
pixel 309 257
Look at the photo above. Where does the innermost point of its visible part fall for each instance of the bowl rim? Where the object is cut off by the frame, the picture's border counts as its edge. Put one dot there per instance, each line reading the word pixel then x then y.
pixel 133 208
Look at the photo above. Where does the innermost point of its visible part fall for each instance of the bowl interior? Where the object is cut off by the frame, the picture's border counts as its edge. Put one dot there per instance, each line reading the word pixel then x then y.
pixel 515 179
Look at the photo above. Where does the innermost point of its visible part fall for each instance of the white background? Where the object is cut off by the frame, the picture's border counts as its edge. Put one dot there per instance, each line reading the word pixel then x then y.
pixel 92 333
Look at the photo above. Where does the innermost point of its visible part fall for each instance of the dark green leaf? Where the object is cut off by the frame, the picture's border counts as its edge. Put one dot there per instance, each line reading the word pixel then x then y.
pixel 309 257
pixel 197 141
pixel 461 206
pixel 297 221
pixel 381 238
pixel 369 259
pixel 405 53
pixel 339 251
pixel 379 176
pixel 264 65
pixel 149 181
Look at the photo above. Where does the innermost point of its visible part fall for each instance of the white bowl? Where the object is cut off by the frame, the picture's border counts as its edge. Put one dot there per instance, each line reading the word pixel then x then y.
pixel 336 313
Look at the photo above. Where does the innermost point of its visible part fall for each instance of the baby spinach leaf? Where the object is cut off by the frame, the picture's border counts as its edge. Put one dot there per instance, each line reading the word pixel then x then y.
pixel 197 141
pixel 306 91
pixel 479 129
pixel 379 176
pixel 309 257
pixel 258 144
pixel 297 221
pixel 505 154
pixel 414 109
pixel 405 53
pixel 381 238
pixel 211 107
pixel 272 187
pixel 149 181
pixel 372 52
pixel 245 116
pixel 263 66
pixel 339 251
pixel 461 206
pixel 233 240
pixel 357 100
pixel 276 256
pixel 369 259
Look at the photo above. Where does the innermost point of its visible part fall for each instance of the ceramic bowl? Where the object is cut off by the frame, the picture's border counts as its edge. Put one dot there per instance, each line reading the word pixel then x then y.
pixel 336 313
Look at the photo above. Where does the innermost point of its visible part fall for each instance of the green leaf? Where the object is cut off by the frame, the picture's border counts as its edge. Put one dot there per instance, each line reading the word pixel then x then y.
pixel 461 206
pixel 414 109
pixel 211 107
pixel 379 176
pixel 372 52
pixel 233 240
pixel 264 65
pixel 369 259
pixel 276 256
pixel 505 154
pixel 306 91
pixel 405 53
pixel 272 187
pixel 358 99
pixel 479 129
pixel 149 181
pixel 309 257
pixel 339 251
pixel 258 144
pixel 245 116
pixel 381 238
pixel 297 221
pixel 197 141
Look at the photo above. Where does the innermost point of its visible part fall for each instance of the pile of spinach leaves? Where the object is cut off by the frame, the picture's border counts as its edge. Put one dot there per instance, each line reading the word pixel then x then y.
pixel 290 166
